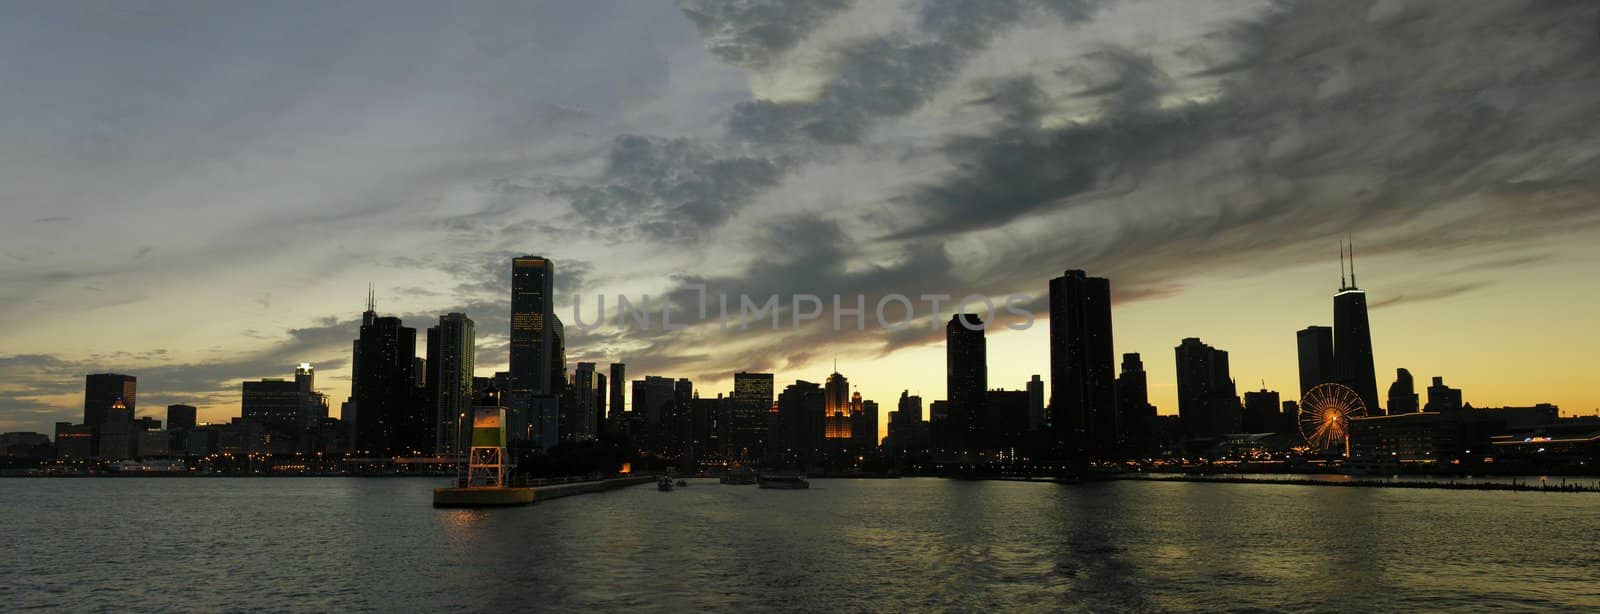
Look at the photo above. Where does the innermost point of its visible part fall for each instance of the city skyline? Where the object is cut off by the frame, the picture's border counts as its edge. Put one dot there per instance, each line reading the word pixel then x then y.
pixel 248 244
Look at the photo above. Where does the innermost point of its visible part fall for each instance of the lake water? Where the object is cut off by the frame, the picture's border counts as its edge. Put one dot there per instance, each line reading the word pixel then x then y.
pixel 327 544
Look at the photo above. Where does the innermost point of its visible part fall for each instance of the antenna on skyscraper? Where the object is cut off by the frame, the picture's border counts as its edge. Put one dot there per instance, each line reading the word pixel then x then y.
pixel 372 302
pixel 1353 263
pixel 1341 266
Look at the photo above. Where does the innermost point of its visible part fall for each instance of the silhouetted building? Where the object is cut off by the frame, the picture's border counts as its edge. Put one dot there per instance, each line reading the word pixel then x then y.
pixel 616 403
pixel 101 389
pixel 1036 415
pixel 1352 342
pixel 1403 394
pixel 532 309
pixel 389 421
pixel 1082 380
pixel 316 403
pixel 938 424
pixel 1442 397
pixel 1133 402
pixel 451 364
pixel 651 398
pixel 115 435
pixel 1208 404
pixel 752 400
pixel 800 439
pixel 74 441
pixel 586 401
pixel 1005 416
pixel 1262 411
pixel 864 426
pixel 1315 345
pixel 274 403
pixel 966 380
pixel 906 427
pixel 180 417
pixel 602 393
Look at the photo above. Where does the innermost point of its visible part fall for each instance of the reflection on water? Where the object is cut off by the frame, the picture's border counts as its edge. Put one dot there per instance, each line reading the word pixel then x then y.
pixel 377 544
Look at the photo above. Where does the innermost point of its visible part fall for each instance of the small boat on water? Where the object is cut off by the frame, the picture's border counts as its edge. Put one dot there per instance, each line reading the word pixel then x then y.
pixel 664 484
pixel 683 482
pixel 783 482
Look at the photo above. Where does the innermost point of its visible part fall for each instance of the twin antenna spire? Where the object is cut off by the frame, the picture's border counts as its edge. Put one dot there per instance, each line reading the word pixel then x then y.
pixel 372 301
pixel 1352 247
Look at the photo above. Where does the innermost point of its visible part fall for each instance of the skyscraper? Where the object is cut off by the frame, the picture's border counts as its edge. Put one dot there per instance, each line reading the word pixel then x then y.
pixel 1133 403
pixel 389 423
pixel 1262 411
pixel 532 312
pixel 615 404
pixel 836 407
pixel 1082 382
pixel 1208 402
pixel 585 402
pixel 1352 342
pixel 1442 397
pixel 1036 416
pixel 1403 394
pixel 966 372
pixel 101 390
pixel 274 403
pixel 451 364
pixel 1315 345
pixel 180 417
pixel 652 397
pixel 801 409
pixel 752 400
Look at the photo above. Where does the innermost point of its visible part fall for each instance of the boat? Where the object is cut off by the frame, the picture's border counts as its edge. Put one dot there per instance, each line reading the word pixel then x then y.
pixel 783 482
pixel 683 482
pixel 664 484
pixel 738 477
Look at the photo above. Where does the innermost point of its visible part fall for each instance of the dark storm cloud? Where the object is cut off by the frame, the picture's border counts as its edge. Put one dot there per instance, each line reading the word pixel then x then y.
pixel 751 33
pixel 890 76
pixel 1336 120
pixel 672 190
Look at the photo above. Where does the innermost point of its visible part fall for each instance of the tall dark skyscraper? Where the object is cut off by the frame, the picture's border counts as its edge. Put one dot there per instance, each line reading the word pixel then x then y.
pixel 1403 397
pixel 1263 412
pixel 1315 344
pixel 752 400
pixel 836 407
pixel 1208 401
pixel 1352 342
pixel 1133 403
pixel 388 419
pixel 585 401
pixel 966 369
pixel 274 403
pixel 532 313
pixel 614 404
pixel 1083 397
pixel 800 437
pixel 1036 416
pixel 451 364
pixel 100 390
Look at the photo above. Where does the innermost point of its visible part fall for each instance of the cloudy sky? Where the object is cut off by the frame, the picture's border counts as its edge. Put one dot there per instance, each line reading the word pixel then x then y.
pixel 198 193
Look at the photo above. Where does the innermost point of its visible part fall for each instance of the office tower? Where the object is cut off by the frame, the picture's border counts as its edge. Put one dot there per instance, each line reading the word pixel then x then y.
pixel 1261 412
pixel 1005 416
pixel 383 390
pixel 316 403
pixel 677 415
pixel 1208 403
pixel 801 408
pixel 836 407
pixel 864 425
pixel 905 424
pixel 1442 397
pixel 558 356
pixel 1291 418
pixel 617 406
pixel 585 401
pixel 100 390
pixel 752 399
pixel 532 313
pixel 602 391
pixel 451 364
pixel 1403 394
pixel 938 425
pixel 1352 342
pixel 115 433
pixel 274 403
pixel 1133 402
pixel 180 417
pixel 1036 416
pixel 74 441
pixel 966 373
pixel 1315 345
pixel 652 396
pixel 705 429
pixel 1082 383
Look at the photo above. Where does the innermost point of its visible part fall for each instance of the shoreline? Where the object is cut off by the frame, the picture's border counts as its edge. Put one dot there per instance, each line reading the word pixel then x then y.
pixel 1354 482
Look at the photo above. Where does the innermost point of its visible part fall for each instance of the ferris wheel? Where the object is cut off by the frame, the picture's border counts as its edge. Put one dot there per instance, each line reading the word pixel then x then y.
pixel 1325 415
